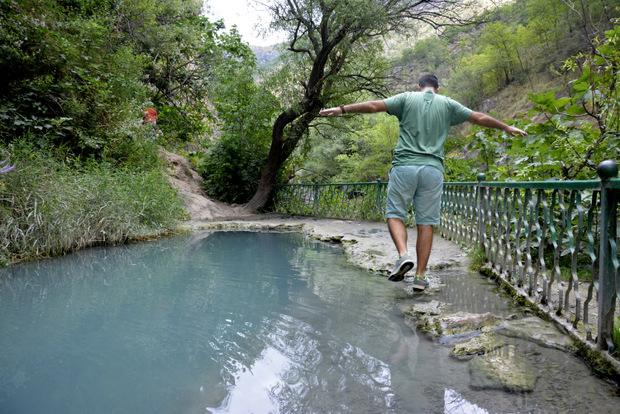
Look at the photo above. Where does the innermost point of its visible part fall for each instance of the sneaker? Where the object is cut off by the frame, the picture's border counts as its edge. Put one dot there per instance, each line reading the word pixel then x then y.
pixel 420 282
pixel 403 265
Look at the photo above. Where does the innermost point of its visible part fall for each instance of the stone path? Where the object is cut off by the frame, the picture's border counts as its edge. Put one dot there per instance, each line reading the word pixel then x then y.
pixel 367 244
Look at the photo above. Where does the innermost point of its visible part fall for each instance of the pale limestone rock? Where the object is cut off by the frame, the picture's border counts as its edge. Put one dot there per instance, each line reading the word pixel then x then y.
pixel 502 370
pixel 481 344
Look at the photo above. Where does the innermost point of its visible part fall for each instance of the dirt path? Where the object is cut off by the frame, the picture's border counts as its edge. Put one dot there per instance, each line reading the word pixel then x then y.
pixel 188 183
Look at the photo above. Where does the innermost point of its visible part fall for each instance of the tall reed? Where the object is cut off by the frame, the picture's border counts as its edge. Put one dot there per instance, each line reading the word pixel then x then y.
pixel 51 206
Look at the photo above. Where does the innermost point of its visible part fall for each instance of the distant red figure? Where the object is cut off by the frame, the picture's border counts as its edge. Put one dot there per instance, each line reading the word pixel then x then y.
pixel 150 115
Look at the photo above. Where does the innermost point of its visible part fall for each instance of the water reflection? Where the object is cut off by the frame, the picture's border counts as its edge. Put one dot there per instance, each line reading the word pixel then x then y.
pixel 304 370
pixel 181 325
pixel 456 404
pixel 246 322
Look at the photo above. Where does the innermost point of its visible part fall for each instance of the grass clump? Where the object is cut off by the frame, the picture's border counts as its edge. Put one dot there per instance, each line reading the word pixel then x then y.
pixel 51 203
pixel 478 259
pixel 616 339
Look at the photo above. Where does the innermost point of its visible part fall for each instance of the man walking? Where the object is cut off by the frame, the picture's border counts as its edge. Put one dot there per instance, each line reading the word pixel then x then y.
pixel 417 168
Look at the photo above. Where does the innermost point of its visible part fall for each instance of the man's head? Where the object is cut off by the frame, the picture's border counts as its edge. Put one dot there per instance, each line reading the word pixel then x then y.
pixel 428 81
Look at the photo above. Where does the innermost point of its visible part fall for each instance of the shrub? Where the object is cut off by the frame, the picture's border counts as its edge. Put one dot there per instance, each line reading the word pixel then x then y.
pixel 232 170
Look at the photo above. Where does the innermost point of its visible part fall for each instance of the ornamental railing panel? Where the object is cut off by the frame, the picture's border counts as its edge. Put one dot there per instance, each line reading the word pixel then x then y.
pixel 353 201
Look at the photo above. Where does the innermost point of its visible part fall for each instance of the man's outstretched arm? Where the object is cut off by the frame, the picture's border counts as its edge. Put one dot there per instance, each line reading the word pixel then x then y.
pixel 366 107
pixel 488 121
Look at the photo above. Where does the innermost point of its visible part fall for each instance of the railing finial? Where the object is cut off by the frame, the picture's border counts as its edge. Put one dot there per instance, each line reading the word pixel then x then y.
pixel 607 169
pixel 481 177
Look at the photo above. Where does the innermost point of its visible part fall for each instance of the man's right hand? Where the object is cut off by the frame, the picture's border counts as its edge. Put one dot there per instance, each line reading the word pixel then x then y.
pixel 331 111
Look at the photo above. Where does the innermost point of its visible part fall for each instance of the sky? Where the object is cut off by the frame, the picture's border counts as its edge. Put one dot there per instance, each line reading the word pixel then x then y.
pixel 245 14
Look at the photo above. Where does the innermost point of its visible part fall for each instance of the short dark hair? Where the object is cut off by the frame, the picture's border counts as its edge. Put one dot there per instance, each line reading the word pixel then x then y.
pixel 429 80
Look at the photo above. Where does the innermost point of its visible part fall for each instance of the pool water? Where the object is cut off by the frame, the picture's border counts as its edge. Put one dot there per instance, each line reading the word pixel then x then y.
pixel 248 322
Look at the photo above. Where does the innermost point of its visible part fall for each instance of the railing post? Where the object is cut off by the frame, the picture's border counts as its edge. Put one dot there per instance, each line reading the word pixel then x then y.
pixel 379 198
pixel 315 198
pixel 481 210
pixel 607 256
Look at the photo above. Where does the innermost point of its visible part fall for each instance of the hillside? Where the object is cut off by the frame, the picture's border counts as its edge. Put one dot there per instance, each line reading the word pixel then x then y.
pixel 424 51
pixel 265 55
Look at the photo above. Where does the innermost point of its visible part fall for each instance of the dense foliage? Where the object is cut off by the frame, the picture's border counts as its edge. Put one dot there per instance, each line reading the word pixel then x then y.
pixel 568 135
pixel 79 72
pixel 245 108
pixel 77 76
pixel 547 64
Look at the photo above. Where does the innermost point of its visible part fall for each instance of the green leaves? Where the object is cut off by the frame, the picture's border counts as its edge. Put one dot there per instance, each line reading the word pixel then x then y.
pixel 546 102
pixel 244 113
pixel 77 73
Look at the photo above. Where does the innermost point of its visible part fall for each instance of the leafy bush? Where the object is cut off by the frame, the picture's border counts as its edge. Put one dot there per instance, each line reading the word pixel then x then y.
pixel 76 73
pixel 233 166
pixel 67 82
pixel 232 169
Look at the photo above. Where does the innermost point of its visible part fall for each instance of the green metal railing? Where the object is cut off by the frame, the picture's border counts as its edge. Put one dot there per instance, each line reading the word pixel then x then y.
pixel 354 201
pixel 555 242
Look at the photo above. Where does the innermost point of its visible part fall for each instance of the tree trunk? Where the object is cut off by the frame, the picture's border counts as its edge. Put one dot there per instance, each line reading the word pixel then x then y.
pixel 277 155
pixel 264 192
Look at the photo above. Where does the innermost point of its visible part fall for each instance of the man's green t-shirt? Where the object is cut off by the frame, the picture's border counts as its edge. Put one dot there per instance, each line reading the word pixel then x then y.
pixel 425 120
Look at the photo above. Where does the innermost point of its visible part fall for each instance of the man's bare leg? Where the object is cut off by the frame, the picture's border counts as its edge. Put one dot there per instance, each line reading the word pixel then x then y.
pixel 424 245
pixel 398 231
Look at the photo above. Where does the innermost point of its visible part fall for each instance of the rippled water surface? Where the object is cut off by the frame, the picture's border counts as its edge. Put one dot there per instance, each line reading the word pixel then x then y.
pixel 241 322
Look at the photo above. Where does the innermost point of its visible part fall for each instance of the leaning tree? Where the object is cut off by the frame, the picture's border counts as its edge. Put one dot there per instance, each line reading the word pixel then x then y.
pixel 328 39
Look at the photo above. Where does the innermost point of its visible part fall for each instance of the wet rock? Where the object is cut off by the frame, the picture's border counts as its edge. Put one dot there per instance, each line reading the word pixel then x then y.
pixel 466 322
pixel 452 328
pixel 536 330
pixel 425 315
pixel 479 345
pixel 430 308
pixel 458 326
pixel 503 370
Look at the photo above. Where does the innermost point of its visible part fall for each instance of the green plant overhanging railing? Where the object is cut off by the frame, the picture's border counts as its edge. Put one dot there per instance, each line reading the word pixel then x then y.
pixel 554 241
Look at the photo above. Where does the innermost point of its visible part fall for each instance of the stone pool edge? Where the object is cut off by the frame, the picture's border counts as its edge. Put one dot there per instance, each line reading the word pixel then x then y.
pixel 366 244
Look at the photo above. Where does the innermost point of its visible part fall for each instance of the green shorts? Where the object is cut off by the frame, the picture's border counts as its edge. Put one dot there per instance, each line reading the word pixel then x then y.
pixel 421 185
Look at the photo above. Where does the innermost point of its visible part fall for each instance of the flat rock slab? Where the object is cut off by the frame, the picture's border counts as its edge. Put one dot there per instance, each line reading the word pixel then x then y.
pixel 429 308
pixel 502 371
pixel 451 328
pixel 479 345
pixel 367 244
pixel 464 322
pixel 536 330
